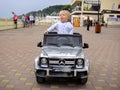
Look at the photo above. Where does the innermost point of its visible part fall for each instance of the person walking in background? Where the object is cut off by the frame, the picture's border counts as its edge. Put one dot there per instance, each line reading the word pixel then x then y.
pixel 15 18
pixel 27 20
pixel 31 17
pixel 64 26
pixel 88 23
pixel 24 21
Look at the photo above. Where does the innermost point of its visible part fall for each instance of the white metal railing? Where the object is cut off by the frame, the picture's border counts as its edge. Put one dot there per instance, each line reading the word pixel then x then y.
pixel 48 20
pixel 9 24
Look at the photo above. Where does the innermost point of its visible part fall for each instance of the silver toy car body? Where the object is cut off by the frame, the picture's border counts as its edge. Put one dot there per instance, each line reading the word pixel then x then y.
pixel 62 56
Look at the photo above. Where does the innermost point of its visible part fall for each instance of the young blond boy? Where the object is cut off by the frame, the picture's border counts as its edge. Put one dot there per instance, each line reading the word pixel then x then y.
pixel 64 26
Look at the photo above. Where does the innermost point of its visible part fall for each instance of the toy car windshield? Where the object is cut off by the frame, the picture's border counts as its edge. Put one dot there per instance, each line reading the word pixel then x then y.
pixel 63 39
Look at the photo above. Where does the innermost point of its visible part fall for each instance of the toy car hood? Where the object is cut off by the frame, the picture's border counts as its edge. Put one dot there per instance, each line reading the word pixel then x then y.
pixel 63 52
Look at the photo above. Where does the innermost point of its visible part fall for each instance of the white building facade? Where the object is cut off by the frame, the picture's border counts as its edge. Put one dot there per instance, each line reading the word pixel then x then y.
pixel 102 11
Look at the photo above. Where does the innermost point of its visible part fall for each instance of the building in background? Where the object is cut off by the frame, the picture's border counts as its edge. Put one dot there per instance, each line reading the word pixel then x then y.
pixel 102 11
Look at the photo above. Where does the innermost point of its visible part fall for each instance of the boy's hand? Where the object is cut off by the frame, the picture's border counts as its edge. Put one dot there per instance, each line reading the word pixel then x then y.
pixel 46 32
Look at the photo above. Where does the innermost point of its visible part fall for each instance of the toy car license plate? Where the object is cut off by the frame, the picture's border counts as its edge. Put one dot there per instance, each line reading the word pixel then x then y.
pixel 62 70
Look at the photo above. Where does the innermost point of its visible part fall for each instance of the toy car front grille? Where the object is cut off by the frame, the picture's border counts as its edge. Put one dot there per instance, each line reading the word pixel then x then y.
pixel 53 61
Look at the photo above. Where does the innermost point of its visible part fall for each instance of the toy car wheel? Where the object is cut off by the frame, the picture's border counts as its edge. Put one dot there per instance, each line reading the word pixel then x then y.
pixel 83 81
pixel 40 79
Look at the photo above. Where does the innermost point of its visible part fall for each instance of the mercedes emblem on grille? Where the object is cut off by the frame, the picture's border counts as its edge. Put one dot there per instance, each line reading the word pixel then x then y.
pixel 61 62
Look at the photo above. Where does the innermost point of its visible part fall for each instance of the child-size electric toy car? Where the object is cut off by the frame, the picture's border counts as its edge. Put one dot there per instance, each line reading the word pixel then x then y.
pixel 62 56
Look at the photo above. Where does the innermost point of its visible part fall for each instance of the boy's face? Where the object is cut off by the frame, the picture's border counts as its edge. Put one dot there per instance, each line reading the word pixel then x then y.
pixel 63 17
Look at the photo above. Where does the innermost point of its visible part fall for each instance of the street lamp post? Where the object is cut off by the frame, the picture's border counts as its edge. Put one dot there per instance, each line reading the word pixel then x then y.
pixel 98 9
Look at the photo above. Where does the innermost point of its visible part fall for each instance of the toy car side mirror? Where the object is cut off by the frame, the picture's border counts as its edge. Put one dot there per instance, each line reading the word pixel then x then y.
pixel 39 44
pixel 85 45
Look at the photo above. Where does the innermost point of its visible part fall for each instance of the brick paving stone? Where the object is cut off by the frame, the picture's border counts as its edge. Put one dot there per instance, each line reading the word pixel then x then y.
pixel 18 49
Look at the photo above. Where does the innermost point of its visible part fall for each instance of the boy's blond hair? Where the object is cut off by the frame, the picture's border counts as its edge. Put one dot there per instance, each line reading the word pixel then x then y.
pixel 67 13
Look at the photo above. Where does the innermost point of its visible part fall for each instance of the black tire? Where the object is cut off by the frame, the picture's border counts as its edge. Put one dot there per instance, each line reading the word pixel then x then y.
pixel 40 79
pixel 82 81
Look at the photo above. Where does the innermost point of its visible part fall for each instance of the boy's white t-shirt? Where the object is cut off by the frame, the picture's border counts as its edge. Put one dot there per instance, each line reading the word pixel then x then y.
pixel 62 28
pixel 31 18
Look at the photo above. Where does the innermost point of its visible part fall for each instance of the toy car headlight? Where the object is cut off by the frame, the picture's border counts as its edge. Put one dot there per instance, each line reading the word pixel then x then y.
pixel 79 63
pixel 43 62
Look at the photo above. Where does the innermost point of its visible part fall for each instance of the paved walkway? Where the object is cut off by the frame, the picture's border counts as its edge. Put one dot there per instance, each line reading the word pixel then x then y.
pixel 18 48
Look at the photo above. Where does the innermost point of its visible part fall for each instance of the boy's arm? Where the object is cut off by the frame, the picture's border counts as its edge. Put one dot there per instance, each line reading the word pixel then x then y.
pixel 51 28
pixel 71 28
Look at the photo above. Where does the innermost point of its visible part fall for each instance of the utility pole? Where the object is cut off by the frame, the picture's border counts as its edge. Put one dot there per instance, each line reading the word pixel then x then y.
pixel 98 10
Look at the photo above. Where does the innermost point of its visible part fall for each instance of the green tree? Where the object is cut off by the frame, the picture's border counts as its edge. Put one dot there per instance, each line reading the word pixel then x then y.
pixel 67 7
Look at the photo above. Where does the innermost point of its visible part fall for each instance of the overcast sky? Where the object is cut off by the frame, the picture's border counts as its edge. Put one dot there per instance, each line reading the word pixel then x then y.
pixel 25 6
